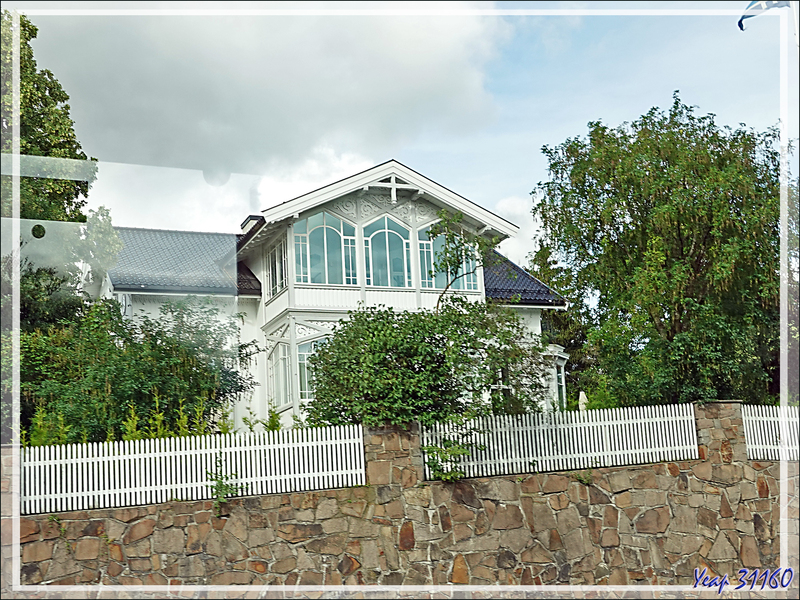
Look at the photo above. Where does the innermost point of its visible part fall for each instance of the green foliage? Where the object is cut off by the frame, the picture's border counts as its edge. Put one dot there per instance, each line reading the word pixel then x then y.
pixel 103 377
pixel 383 367
pixel 584 477
pixel 671 224
pixel 461 246
pixel 46 129
pixel 444 460
pixel 222 487
pixel 271 423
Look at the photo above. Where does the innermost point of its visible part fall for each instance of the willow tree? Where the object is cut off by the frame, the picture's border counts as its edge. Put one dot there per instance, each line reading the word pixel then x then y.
pixel 671 223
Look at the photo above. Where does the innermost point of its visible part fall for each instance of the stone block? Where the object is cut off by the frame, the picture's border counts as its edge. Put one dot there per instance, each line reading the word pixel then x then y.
pixel 722 549
pixel 567 520
pixel 507 517
pixel 87 549
pixel 555 483
pixel 609 539
pixel 294 533
pixel 168 541
pixel 645 480
pixel 406 538
pixel 335 525
pixel 623 500
pixel 516 540
pixel 684 519
pixel 653 521
pixel 379 473
pixel 420 496
pixel 139 530
pixel 619 481
pixel 464 493
pixel 460 572
pixel 37 551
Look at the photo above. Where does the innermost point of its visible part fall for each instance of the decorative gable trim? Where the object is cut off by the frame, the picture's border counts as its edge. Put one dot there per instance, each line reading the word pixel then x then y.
pixel 370 196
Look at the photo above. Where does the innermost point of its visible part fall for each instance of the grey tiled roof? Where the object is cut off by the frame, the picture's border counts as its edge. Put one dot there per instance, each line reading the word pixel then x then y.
pixel 504 280
pixel 165 261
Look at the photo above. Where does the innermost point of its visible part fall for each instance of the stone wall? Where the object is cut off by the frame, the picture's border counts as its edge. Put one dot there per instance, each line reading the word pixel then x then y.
pixel 649 524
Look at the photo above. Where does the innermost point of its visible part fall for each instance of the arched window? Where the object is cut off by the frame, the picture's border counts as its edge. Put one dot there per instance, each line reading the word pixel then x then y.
pixel 465 279
pixel 387 252
pixel 325 250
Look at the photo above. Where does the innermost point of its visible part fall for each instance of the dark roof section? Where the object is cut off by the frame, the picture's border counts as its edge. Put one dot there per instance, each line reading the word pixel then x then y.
pixel 248 283
pixel 243 238
pixel 183 262
pixel 504 280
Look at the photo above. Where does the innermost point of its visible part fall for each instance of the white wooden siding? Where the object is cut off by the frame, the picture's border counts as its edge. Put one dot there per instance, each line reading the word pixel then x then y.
pixel 574 440
pixel 762 431
pixel 113 474
pixel 327 297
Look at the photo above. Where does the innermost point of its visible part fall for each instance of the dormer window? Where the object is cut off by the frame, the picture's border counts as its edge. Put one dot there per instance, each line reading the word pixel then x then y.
pixel 325 250
pixel 387 253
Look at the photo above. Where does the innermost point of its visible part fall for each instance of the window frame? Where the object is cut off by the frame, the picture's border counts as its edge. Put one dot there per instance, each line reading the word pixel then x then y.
pixel 347 247
pixel 408 282
pixel 467 281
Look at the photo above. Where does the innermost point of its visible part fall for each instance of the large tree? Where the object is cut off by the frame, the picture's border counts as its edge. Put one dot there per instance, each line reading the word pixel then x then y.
pixel 46 129
pixel 671 224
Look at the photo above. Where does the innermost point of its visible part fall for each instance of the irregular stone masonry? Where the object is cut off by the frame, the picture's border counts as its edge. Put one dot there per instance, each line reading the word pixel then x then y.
pixel 648 524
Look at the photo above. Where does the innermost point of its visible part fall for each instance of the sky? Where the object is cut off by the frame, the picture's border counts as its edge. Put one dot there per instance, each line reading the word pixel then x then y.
pixel 199 121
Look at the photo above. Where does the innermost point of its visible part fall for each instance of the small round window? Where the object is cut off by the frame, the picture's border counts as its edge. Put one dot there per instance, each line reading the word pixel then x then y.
pixel 38 231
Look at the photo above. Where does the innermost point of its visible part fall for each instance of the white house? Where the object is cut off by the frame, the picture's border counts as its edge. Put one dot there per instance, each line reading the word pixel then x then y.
pixel 299 267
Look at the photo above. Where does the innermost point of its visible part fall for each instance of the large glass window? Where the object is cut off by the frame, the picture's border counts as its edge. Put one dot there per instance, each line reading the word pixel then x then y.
pixel 278 375
pixel 276 269
pixel 304 351
pixel 325 250
pixel 465 279
pixel 387 253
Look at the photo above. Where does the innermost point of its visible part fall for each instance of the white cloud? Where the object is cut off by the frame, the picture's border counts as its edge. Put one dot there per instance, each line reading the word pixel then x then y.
pixel 321 168
pixel 517 210
pixel 242 93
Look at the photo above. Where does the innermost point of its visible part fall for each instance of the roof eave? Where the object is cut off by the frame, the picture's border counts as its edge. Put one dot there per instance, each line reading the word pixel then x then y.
pixel 355 182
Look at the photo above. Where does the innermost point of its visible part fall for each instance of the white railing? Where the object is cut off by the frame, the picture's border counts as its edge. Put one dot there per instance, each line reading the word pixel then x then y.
pixel 762 431
pixel 113 474
pixel 573 440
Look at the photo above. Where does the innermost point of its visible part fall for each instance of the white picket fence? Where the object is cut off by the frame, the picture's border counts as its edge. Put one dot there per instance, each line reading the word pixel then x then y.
pixel 115 474
pixel 572 440
pixel 762 431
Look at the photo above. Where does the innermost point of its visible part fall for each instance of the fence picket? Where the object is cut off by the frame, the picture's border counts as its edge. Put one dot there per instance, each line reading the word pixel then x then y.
pixel 128 473
pixel 762 430
pixel 575 440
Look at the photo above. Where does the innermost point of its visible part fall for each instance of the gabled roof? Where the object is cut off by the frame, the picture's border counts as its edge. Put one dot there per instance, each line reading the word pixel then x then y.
pixel 504 280
pixel 166 261
pixel 377 177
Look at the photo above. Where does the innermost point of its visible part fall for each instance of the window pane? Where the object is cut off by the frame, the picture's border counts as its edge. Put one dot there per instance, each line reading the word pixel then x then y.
pixel 380 270
pixel 315 221
pixel 397 260
pixel 398 229
pixel 331 221
pixel 334 253
pixel 373 227
pixel 316 247
pixel 423 235
pixel 300 259
pixel 348 230
pixel 300 226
